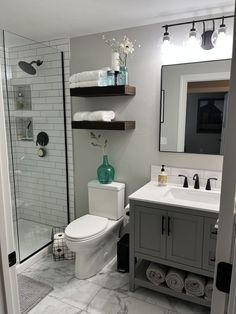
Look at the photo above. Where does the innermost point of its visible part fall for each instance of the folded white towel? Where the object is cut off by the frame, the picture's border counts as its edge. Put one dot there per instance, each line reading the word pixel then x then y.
pixel 89 75
pixel 94 116
pixel 175 279
pixel 195 285
pixel 209 289
pixel 156 273
pixel 81 116
pixel 101 116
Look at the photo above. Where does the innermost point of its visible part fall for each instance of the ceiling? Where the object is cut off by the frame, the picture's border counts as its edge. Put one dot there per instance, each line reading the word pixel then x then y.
pixel 51 19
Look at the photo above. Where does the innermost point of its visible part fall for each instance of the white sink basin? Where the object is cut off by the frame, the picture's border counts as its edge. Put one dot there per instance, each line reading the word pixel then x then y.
pixel 178 196
pixel 196 196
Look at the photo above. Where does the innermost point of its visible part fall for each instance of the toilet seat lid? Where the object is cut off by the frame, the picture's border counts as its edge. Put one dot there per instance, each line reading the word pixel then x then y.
pixel 86 226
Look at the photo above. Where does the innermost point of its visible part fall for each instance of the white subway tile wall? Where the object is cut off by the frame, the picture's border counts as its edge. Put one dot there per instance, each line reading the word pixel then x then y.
pixel 41 182
pixel 173 176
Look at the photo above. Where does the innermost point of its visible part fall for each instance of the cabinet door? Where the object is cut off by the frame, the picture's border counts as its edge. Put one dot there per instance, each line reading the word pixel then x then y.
pixel 209 246
pixel 184 239
pixel 150 235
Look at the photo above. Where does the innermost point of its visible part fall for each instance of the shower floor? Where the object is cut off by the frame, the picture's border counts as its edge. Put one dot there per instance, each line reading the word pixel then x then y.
pixel 32 237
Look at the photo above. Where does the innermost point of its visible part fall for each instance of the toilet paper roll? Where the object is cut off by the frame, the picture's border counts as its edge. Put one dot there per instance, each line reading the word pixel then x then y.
pixel 59 247
pixel 59 235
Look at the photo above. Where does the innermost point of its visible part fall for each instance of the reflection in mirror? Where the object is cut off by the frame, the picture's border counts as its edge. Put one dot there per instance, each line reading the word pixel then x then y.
pixel 194 99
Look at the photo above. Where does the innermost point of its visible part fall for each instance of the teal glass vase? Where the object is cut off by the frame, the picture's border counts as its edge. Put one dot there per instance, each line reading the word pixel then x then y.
pixel 123 76
pixel 105 172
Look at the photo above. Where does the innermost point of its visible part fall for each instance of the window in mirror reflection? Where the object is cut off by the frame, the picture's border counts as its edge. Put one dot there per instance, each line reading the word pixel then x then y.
pixel 205 111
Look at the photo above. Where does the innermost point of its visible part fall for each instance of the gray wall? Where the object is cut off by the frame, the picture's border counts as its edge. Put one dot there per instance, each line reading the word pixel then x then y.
pixel 132 152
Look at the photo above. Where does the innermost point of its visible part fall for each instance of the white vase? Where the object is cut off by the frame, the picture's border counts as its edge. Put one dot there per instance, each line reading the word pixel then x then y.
pixel 115 61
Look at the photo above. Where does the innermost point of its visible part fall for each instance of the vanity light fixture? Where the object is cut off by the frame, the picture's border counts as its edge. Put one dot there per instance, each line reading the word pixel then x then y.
pixel 210 38
pixel 193 38
pixel 166 40
pixel 219 37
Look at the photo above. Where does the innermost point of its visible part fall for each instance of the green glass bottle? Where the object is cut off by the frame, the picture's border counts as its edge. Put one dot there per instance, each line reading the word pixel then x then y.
pixel 105 172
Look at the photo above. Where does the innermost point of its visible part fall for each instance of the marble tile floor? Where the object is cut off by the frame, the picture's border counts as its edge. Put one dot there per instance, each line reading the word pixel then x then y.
pixel 105 293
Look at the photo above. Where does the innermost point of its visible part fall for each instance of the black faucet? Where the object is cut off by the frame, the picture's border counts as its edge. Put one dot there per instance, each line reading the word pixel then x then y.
pixel 185 185
pixel 196 179
pixel 208 185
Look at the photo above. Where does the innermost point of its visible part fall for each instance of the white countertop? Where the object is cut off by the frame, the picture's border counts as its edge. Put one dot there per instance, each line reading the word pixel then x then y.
pixel 174 195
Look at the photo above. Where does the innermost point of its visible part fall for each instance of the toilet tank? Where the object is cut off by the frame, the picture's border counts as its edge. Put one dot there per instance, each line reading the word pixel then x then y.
pixel 106 200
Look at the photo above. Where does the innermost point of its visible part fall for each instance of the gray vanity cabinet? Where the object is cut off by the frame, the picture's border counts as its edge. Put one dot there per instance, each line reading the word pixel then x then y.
pixel 184 239
pixel 149 228
pixel 209 249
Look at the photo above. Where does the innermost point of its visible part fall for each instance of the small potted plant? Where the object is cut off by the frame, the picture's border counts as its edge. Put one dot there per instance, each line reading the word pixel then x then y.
pixel 105 171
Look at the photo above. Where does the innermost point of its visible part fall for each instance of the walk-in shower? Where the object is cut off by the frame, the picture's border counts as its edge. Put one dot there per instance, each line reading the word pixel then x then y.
pixel 34 100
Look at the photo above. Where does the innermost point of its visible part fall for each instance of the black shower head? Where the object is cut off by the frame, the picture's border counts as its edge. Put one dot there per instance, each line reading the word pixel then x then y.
pixel 28 67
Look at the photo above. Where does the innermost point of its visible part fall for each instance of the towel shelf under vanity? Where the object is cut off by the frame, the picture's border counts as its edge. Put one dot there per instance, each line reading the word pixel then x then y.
pixel 101 125
pixel 182 238
pixel 102 91
pixel 141 280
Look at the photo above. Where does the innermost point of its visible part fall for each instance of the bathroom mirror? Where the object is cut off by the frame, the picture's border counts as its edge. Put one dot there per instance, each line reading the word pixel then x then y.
pixel 193 109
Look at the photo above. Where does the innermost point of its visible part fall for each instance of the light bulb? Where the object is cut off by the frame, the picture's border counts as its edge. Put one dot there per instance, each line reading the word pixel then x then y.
pixel 166 42
pixel 193 40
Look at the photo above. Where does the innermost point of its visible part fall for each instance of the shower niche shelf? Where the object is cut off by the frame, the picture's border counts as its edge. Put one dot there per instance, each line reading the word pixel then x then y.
pixel 24 129
pixel 22 97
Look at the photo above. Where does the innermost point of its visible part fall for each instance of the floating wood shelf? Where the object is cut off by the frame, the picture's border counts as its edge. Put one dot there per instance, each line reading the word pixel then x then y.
pixel 101 91
pixel 101 125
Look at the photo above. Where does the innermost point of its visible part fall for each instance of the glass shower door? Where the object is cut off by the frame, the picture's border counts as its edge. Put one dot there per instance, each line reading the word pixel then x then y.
pixel 35 113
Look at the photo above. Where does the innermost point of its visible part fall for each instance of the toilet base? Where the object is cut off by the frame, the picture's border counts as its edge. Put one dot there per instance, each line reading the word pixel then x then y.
pixel 90 261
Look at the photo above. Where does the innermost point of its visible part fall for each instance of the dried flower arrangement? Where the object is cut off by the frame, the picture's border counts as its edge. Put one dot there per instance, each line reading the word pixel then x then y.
pixel 124 48
pixel 98 143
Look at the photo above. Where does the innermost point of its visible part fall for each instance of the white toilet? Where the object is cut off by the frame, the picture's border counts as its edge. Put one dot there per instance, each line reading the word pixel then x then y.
pixel 93 237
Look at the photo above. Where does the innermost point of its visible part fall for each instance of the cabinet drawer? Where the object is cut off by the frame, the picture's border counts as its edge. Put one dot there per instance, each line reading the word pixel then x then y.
pixel 209 248
pixel 150 236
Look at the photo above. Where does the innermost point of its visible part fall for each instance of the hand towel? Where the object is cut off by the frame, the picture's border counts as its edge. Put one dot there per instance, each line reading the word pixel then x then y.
pixel 89 75
pixel 101 82
pixel 195 285
pixel 101 116
pixel 175 279
pixel 156 273
pixel 106 116
pixel 209 289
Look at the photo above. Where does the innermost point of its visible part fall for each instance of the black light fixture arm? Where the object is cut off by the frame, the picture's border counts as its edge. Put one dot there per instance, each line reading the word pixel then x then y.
pixel 199 21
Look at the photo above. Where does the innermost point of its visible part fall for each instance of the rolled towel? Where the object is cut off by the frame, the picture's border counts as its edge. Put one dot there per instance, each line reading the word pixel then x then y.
pixel 104 115
pixel 156 273
pixel 195 285
pixel 95 75
pixel 81 116
pixel 209 290
pixel 175 279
